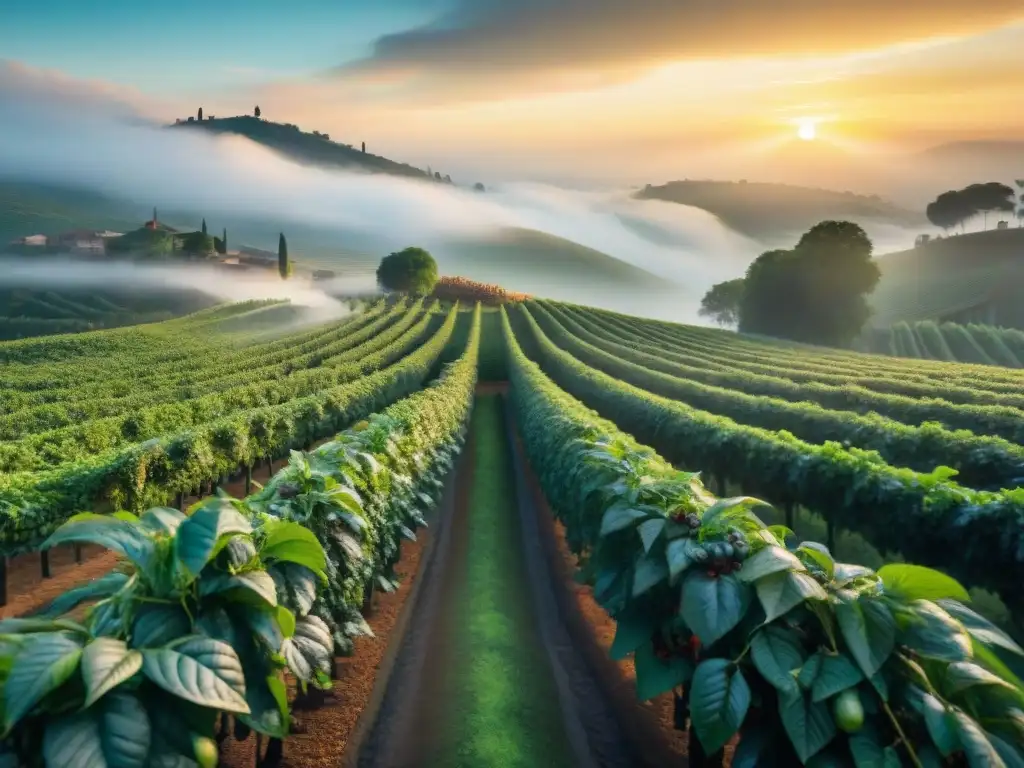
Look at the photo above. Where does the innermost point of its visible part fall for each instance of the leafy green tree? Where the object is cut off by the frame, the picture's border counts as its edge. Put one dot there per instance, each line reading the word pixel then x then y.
pixel 257 111
pixel 816 292
pixel 722 302
pixel 197 244
pixel 283 266
pixel 989 197
pixel 948 210
pixel 412 270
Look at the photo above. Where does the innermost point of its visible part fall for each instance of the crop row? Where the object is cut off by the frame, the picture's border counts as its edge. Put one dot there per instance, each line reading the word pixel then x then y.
pixel 699 353
pixel 265 586
pixel 807 660
pixel 998 421
pixel 874 371
pixel 985 344
pixel 974 535
pixel 33 504
pixel 26 357
pixel 54 447
pixel 71 406
pixel 192 351
pixel 980 461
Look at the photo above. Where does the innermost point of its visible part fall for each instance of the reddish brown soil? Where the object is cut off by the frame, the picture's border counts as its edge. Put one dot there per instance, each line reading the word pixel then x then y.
pixel 326 731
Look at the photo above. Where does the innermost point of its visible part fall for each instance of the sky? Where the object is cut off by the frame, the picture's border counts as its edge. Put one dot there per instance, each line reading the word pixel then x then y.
pixel 620 90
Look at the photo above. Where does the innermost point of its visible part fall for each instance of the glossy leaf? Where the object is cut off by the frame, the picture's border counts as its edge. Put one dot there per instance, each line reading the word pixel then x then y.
pixel 41 667
pixel 915 582
pixel 158 625
pixel 776 652
pixel 116 734
pixel 620 517
pixel 941 725
pixel 127 539
pixel 649 531
pixel 97 589
pixel 650 571
pixel 767 561
pixel 655 676
pixel 719 700
pixel 251 586
pixel 679 554
pixel 201 670
pixel 712 605
pixel 933 633
pixel 782 592
pixel 291 543
pixel 106 663
pixel 200 537
pixel 869 630
pixel 808 724
pixel 837 673
pixel 631 630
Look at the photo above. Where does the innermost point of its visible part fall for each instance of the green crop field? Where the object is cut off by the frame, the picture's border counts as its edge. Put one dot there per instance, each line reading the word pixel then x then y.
pixel 682 464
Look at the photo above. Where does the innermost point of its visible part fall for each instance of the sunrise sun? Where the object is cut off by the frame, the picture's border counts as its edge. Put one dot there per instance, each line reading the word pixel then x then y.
pixel 806 130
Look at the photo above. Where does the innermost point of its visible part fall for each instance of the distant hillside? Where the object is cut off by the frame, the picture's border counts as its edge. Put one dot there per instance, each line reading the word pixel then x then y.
pixel 301 147
pixel 951 276
pixel 777 213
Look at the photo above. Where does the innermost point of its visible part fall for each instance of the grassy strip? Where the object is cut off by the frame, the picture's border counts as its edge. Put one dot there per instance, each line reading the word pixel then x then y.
pixel 505 709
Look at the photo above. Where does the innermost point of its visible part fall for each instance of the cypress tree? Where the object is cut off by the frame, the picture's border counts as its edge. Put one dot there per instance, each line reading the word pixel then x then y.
pixel 204 226
pixel 224 240
pixel 282 257
pixel 200 117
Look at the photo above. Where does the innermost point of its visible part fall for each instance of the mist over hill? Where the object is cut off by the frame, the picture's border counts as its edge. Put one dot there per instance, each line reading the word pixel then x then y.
pixel 776 214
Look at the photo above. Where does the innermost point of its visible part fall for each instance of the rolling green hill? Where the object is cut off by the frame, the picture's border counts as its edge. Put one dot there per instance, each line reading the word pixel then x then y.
pixel 301 147
pixel 946 276
pixel 777 213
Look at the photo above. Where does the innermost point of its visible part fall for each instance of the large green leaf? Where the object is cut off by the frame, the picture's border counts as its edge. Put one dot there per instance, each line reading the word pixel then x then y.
pixel 201 670
pixel 655 676
pixel 116 734
pixel 162 519
pixel 298 583
pixel 292 543
pixel 719 700
pixel 650 530
pixel 915 582
pixel 769 560
pixel 268 709
pixel 250 586
pixel 680 555
pixel 157 625
pixel 127 539
pixel 980 627
pixel 777 652
pixel 200 537
pixel 106 663
pixel 837 673
pixel 97 589
pixel 931 632
pixel 808 724
pixel 33 625
pixel 42 665
pixel 782 592
pixel 650 571
pixel 619 516
pixel 309 649
pixel 978 749
pixel 962 675
pixel 869 751
pixel 712 605
pixel 869 630
pixel 632 628
pixel 1011 754
pixel 941 725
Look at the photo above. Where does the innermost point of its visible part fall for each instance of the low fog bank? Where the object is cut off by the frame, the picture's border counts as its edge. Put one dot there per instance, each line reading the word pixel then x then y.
pixel 55 274
pixel 229 176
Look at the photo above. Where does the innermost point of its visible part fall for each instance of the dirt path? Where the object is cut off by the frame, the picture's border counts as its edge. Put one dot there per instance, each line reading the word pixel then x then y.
pixel 489 674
